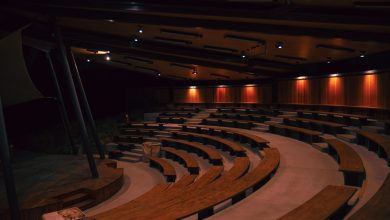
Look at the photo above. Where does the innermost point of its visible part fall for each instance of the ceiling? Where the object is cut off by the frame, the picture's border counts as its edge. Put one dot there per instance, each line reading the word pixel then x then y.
pixel 219 40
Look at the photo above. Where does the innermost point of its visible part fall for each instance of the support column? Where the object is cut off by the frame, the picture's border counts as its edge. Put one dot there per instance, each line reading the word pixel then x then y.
pixel 8 175
pixel 61 105
pixel 75 103
pixel 85 104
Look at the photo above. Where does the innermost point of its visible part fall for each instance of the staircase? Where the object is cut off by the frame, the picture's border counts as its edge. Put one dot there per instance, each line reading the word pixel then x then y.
pixel 134 154
pixel 78 198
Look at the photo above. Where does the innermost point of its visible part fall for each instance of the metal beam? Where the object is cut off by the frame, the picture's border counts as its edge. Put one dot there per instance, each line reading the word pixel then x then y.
pixel 61 105
pixel 7 169
pixel 75 103
pixel 84 101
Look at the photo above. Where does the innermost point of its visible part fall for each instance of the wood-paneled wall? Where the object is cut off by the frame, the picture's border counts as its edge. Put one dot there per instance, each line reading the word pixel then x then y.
pixel 225 94
pixel 370 90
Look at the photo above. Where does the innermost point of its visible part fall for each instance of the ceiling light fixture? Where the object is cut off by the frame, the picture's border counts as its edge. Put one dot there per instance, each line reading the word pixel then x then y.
pixel 279 45
pixel 108 58
pixel 140 30
pixel 362 54
pixel 328 60
pixel 302 77
pixel 88 60
pixel 194 72
pixel 334 75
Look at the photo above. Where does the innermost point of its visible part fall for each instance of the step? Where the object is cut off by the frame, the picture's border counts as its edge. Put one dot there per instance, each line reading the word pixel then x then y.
pixel 74 199
pixel 347 137
pixel 323 147
pixel 289 113
pixel 162 135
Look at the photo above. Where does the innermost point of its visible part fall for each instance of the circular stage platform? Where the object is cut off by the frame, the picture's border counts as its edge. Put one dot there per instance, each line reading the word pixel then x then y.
pixel 46 183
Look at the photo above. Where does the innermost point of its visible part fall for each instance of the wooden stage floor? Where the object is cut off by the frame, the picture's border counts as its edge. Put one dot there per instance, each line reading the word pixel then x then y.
pixel 51 182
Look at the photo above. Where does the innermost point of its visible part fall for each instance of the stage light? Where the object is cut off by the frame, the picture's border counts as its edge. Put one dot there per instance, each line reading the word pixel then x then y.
pixel 140 30
pixel 88 60
pixel 279 45
pixel 108 58
pixel 302 77
pixel 334 75
pixel 362 54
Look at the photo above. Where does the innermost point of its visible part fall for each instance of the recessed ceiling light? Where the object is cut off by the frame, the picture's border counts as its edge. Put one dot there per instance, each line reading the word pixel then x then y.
pixel 158 74
pixel 279 45
pixel 194 72
pixel 108 58
pixel 88 60
pixel 140 30
pixel 334 75
pixel 192 87
pixel 362 54
pixel 328 60
pixel 111 20
pixel 302 77
pixel 135 39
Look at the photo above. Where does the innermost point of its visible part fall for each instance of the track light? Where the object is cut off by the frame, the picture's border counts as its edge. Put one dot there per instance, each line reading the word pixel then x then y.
pixel 108 58
pixel 362 54
pixel 279 45
pixel 140 30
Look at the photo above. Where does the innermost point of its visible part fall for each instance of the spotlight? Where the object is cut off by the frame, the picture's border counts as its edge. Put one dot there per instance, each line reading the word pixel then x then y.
pixel 158 74
pixel 140 30
pixel 362 54
pixel 108 58
pixel 194 72
pixel 135 39
pixel 279 45
pixel 328 60
pixel 88 60
pixel 243 56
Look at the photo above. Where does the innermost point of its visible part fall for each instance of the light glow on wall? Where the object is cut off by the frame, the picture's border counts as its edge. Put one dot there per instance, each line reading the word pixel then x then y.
pixel 249 94
pixel 370 90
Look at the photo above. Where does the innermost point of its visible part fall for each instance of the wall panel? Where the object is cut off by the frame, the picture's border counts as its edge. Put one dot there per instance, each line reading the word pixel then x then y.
pixel 369 90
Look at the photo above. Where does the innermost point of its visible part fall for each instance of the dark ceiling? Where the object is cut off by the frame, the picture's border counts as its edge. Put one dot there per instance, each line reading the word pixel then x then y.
pixel 219 40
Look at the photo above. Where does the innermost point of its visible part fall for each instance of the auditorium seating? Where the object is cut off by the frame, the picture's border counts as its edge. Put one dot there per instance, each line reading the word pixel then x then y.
pixel 166 168
pixel 255 141
pixel 329 203
pixel 235 123
pixel 234 148
pixel 249 117
pixel 349 119
pixel 258 110
pixel 182 157
pixel 206 152
pixel 177 114
pixel 375 142
pixel 313 124
pixel 302 134
pixel 349 161
pixel 178 120
pixel 387 127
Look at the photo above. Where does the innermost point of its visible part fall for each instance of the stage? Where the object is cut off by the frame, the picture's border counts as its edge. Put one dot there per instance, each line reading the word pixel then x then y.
pixel 47 183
